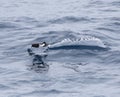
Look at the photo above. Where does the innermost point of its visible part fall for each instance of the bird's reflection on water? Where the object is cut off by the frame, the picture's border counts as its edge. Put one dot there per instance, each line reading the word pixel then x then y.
pixel 38 65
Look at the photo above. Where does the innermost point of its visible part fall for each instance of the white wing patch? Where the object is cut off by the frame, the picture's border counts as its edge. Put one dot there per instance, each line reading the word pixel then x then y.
pixel 83 40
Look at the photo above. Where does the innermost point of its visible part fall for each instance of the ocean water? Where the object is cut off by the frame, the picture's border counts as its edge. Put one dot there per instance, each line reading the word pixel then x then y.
pixel 84 58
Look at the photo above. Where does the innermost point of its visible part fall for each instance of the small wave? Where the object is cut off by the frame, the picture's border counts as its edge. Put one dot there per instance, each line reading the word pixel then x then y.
pixel 115 3
pixel 4 25
pixel 4 87
pixel 69 19
pixel 25 19
pixel 113 57
pixel 115 19
pixel 95 3
pixel 109 10
pixel 115 24
pixel 105 29
pixel 52 91
pixel 30 22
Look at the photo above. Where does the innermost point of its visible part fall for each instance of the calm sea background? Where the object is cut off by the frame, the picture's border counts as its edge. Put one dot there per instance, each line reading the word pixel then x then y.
pixel 73 72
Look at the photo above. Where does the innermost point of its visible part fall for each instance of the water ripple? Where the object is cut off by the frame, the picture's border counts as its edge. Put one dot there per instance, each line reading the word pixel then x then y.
pixel 70 19
pixel 7 25
pixel 115 3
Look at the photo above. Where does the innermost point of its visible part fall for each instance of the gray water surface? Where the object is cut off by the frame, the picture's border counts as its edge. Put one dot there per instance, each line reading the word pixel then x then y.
pixel 92 71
